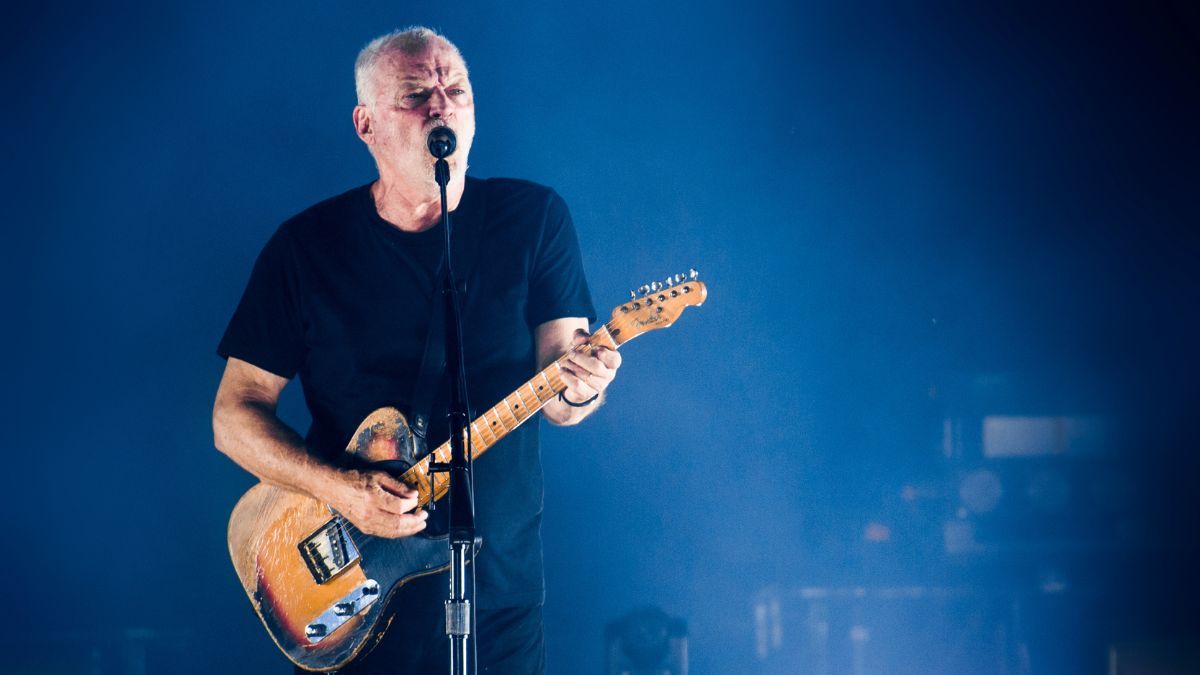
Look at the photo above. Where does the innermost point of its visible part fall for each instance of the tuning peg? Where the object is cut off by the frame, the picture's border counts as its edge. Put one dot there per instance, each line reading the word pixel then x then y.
pixel 644 289
pixel 667 283
pixel 692 274
pixel 655 286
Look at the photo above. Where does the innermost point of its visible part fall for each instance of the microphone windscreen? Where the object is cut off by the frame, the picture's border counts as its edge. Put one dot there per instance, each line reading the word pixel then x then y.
pixel 442 142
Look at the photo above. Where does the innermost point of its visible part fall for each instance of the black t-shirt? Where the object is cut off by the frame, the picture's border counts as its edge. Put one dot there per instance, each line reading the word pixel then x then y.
pixel 342 298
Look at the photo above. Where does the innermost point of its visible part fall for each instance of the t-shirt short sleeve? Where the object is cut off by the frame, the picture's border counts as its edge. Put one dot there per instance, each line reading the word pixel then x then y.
pixel 557 286
pixel 267 328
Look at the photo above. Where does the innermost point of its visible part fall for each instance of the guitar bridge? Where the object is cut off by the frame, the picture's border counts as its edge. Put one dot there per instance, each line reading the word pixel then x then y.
pixel 328 551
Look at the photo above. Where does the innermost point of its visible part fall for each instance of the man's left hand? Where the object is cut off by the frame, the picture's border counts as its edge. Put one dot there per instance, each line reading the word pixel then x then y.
pixel 587 373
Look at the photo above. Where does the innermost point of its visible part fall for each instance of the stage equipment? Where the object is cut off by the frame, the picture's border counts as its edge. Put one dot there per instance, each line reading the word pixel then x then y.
pixel 1162 656
pixel 462 539
pixel 646 642
pixel 1036 472
pixel 898 630
pixel 1036 483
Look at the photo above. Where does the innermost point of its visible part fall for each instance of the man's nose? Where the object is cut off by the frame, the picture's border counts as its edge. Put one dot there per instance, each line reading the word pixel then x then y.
pixel 439 104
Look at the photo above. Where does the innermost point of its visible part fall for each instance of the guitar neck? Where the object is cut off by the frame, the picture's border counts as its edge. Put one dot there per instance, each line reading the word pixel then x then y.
pixel 657 308
pixel 507 415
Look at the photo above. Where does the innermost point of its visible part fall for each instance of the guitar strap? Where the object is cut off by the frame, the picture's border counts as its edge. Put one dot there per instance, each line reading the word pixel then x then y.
pixel 465 243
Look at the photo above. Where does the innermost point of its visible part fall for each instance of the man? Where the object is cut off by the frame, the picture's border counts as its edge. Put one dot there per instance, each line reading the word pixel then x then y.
pixel 341 296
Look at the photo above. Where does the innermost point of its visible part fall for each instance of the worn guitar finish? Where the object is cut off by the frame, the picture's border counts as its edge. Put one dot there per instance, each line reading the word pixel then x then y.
pixel 321 587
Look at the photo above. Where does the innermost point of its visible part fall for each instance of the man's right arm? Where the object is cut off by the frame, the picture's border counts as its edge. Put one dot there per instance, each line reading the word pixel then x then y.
pixel 246 428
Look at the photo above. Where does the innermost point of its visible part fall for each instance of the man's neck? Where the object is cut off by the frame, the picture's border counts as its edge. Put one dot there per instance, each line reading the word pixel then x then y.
pixel 411 210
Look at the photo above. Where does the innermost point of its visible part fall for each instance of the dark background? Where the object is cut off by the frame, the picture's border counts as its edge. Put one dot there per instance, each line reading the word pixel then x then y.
pixel 909 218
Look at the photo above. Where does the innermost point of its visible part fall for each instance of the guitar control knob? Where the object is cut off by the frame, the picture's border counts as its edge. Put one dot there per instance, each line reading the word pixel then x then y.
pixel 315 630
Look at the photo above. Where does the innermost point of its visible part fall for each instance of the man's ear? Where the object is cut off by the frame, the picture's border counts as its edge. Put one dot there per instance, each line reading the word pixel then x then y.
pixel 362 123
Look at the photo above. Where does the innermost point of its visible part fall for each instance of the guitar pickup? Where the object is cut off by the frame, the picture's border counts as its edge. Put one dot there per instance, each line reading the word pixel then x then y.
pixel 328 551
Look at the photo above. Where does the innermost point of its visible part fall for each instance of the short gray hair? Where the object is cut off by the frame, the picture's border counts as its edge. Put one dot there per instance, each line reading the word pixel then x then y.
pixel 411 40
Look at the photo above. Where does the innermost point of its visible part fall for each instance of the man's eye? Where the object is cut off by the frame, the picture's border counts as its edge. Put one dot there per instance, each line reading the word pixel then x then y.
pixel 416 96
pixel 457 92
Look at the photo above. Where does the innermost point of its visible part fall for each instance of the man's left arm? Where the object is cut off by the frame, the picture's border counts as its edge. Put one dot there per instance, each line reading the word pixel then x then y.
pixel 587 376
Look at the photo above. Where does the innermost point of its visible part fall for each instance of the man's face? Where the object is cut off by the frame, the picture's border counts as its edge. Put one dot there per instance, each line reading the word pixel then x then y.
pixel 413 94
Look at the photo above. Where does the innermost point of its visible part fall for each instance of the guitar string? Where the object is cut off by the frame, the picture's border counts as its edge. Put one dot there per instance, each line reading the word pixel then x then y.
pixel 351 529
pixel 613 328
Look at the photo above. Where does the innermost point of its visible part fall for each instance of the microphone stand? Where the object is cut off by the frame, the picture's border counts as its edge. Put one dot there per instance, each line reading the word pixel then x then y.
pixel 459 613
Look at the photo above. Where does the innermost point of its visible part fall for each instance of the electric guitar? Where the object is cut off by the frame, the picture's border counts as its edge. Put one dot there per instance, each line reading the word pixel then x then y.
pixel 321 587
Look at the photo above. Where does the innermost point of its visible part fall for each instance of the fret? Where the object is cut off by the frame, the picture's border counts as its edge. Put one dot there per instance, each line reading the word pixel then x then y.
pixel 521 406
pixel 533 391
pixel 555 378
pixel 433 481
pixel 602 338
pixel 529 407
pixel 519 411
pixel 496 424
pixel 481 435
pixel 534 394
pixel 419 475
pixel 510 414
pixel 548 386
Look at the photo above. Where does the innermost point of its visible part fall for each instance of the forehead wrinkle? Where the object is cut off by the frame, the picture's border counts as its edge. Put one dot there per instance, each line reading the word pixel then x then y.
pixel 442 74
pixel 421 73
pixel 400 71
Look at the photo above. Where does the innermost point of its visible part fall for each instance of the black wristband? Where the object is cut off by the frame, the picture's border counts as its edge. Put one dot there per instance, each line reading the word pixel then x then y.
pixel 582 404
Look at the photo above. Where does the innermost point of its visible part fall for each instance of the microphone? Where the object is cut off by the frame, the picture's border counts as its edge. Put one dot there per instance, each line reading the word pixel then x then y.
pixel 442 142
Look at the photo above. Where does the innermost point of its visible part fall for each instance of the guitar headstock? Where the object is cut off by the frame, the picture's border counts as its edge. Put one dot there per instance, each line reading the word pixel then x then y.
pixel 656 305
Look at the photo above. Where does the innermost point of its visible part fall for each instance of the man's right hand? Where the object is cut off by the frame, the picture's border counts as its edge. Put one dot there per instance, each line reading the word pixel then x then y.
pixel 246 428
pixel 378 504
